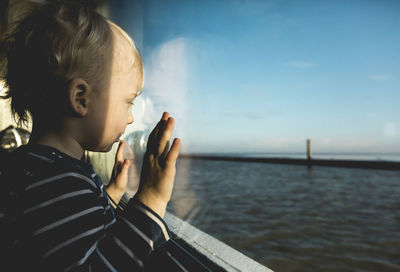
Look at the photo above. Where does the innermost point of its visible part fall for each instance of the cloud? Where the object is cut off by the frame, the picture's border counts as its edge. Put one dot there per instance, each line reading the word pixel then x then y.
pixel 327 144
pixel 166 84
pixel 167 74
pixel 344 145
pixel 379 77
pixel 254 115
pixel 252 143
pixel 254 90
pixel 390 130
pixel 300 64
pixel 281 144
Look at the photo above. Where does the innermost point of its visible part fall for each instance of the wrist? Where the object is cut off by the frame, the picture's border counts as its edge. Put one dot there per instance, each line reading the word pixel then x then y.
pixel 153 202
pixel 115 193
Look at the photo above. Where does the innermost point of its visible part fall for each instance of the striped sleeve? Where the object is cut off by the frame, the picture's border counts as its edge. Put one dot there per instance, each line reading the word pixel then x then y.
pixel 67 224
pixel 133 239
pixel 62 221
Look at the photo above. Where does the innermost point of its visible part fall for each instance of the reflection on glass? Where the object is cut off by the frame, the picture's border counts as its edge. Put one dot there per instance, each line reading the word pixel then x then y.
pixel 256 79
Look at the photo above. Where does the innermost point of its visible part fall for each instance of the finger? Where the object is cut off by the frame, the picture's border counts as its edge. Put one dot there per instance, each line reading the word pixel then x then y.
pixel 125 167
pixel 118 159
pixel 165 152
pixel 123 171
pixel 173 154
pixel 155 131
pixel 165 116
pixel 155 134
pixel 121 180
pixel 119 156
pixel 116 170
pixel 165 135
pixel 151 142
pixel 163 123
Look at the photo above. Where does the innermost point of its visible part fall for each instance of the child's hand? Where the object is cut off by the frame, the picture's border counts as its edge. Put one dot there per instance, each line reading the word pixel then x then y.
pixel 158 171
pixel 119 178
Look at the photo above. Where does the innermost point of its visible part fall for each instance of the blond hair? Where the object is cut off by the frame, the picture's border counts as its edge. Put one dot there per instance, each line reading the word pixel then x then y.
pixel 137 58
pixel 52 44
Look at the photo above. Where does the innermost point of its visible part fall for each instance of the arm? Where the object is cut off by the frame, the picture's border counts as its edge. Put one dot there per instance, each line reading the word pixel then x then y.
pixel 66 222
pixel 76 229
pixel 140 230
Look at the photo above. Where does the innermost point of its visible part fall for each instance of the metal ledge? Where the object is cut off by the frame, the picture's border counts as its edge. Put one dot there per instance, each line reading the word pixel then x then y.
pixel 221 254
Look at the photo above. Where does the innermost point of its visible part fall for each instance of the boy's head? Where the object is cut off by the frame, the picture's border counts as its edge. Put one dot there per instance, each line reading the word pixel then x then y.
pixel 109 111
pixel 64 54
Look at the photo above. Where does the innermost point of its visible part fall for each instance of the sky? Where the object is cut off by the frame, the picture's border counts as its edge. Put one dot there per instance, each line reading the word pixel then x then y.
pixel 265 75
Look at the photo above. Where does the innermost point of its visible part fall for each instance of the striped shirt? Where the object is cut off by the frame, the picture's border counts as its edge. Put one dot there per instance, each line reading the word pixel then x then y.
pixel 55 216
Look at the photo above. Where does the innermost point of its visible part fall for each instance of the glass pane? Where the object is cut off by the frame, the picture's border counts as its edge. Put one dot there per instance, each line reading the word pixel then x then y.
pixel 256 79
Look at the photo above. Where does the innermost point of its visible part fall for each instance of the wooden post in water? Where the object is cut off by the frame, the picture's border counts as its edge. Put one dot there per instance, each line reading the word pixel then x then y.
pixel 309 151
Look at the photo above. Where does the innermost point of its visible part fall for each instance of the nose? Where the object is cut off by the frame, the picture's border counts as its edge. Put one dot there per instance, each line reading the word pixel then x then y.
pixel 130 117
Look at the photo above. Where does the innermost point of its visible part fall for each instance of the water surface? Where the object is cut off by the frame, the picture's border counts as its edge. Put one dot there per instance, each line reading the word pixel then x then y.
pixel 291 218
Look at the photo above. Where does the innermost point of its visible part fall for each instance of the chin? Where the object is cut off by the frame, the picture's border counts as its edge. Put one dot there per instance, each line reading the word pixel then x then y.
pixel 107 149
pixel 104 148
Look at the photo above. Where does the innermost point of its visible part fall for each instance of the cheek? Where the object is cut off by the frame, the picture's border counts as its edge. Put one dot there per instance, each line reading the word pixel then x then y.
pixel 123 115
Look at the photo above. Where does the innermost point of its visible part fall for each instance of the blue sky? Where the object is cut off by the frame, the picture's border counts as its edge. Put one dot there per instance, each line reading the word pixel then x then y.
pixel 265 75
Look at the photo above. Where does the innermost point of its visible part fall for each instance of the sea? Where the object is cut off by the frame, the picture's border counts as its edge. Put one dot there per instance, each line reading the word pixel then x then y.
pixel 295 218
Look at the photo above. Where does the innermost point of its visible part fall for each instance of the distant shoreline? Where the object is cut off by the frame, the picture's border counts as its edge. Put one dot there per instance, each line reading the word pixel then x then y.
pixel 364 164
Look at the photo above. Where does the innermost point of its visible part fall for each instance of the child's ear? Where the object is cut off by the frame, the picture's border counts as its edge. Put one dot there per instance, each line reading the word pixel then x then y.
pixel 78 94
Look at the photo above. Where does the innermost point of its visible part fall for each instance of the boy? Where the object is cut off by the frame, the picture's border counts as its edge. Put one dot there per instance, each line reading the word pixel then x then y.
pixel 77 75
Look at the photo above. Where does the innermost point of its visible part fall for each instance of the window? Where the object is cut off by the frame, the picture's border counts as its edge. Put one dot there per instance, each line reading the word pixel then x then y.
pixel 256 79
